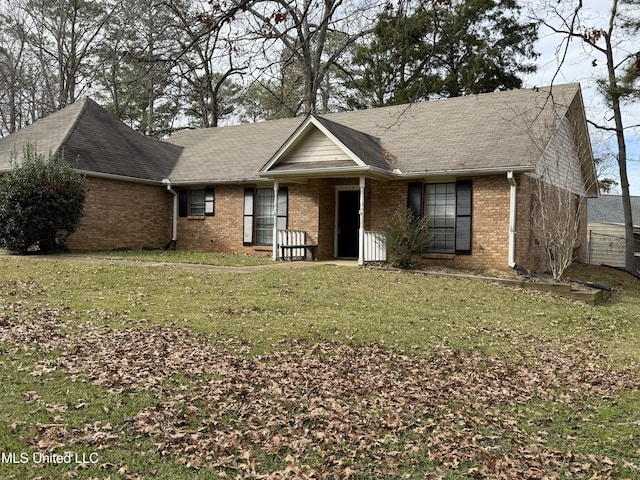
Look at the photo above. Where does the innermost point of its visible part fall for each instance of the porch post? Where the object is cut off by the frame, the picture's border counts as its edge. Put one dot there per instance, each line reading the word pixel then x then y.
pixel 276 188
pixel 361 229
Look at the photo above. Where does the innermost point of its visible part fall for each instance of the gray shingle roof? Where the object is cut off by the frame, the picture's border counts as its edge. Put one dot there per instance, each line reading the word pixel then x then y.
pixel 608 209
pixel 472 133
pixel 229 154
pixel 489 132
pixel 98 140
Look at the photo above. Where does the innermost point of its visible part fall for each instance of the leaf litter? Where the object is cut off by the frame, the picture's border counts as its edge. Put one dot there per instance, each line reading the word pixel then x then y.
pixel 320 409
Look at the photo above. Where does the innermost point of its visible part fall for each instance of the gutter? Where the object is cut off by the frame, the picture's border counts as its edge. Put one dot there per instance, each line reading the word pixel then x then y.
pixel 512 219
pixel 466 172
pixel 174 221
pixel 124 178
pixel 332 172
pixel 232 181
pixel 395 174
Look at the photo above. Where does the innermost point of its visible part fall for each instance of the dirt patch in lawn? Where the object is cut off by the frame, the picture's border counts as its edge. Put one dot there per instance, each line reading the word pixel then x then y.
pixel 326 410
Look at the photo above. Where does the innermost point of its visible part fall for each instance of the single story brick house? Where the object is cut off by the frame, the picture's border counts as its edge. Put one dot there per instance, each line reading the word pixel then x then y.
pixel 470 163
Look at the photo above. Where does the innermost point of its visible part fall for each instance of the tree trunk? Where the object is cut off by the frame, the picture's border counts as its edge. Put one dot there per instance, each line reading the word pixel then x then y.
pixel 614 93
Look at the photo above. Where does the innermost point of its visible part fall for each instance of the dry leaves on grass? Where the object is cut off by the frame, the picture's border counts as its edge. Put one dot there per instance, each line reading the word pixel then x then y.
pixel 28 327
pixel 328 410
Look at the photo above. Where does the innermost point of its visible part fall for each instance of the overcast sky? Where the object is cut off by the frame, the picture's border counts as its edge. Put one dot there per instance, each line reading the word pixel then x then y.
pixel 578 68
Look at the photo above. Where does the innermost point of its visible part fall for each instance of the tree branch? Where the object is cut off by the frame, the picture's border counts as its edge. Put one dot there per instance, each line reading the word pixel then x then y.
pixel 609 129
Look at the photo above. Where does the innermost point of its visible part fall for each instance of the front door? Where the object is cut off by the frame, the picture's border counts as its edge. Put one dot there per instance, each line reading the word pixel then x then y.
pixel 348 223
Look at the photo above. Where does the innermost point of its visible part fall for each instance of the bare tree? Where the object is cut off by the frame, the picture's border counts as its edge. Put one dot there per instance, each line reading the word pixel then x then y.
pixel 21 89
pixel 208 65
pixel 296 32
pixel 63 35
pixel 134 76
pixel 604 44
pixel 12 71
pixel 560 197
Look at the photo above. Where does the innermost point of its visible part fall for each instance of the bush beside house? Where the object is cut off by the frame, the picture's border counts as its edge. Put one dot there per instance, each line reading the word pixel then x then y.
pixel 41 203
pixel 407 237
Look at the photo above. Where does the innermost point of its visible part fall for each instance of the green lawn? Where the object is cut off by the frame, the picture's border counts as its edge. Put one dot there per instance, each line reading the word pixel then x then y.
pixel 180 372
pixel 178 256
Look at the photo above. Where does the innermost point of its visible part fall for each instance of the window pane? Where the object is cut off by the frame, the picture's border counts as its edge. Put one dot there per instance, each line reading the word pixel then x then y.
pixel 264 216
pixel 440 207
pixel 197 202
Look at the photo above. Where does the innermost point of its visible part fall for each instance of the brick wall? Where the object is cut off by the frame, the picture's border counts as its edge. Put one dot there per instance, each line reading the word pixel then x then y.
pixel 121 214
pixel 490 227
pixel 530 249
pixel 304 209
pixel 385 198
pixel 312 207
pixel 219 233
pixel 223 232
pixel 490 248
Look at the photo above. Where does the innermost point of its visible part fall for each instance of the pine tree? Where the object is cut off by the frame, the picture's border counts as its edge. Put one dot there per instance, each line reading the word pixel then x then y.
pixel 444 48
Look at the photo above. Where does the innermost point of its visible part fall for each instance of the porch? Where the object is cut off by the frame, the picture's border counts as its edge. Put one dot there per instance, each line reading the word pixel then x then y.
pixel 292 245
pixel 335 218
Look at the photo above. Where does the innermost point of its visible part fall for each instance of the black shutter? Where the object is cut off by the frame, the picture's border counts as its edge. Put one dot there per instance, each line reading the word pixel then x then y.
pixel 209 202
pixel 463 217
pixel 247 233
pixel 414 198
pixel 183 203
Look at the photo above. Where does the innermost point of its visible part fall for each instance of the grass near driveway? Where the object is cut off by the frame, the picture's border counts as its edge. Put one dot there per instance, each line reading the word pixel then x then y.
pixel 170 372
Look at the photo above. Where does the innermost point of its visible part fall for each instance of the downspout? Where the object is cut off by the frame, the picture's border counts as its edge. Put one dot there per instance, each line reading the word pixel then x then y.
pixel 276 190
pixel 512 219
pixel 361 228
pixel 174 220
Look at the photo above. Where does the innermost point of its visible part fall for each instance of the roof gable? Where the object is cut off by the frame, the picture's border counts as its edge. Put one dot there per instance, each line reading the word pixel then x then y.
pixel 104 144
pixel 318 145
pixel 98 141
pixel 48 134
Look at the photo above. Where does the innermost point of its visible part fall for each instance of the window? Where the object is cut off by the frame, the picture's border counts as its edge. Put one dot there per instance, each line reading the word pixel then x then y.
pixel 440 207
pixel 258 215
pixel 448 206
pixel 264 216
pixel 196 202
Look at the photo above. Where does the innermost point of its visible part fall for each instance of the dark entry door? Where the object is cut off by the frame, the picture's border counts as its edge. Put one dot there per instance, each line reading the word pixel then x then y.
pixel 348 223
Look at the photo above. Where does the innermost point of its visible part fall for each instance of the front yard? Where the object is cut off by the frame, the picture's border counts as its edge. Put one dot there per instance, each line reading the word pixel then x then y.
pixel 130 371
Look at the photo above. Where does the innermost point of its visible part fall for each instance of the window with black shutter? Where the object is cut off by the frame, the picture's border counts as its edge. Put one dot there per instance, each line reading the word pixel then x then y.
pixel 449 208
pixel 196 202
pixel 258 215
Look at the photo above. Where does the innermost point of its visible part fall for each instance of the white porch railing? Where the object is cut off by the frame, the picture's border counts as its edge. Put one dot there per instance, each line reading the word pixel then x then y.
pixel 292 237
pixel 375 247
